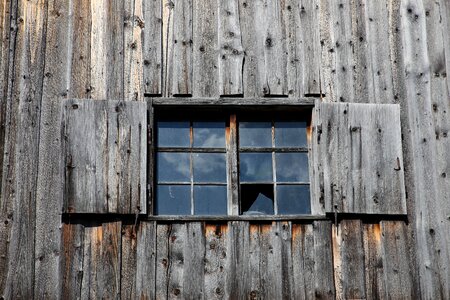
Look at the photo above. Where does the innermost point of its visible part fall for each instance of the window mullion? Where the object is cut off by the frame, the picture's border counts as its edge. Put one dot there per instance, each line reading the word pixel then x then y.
pixel 232 167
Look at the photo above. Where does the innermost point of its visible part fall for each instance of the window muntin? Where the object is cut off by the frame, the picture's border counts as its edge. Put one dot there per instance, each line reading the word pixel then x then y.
pixel 194 166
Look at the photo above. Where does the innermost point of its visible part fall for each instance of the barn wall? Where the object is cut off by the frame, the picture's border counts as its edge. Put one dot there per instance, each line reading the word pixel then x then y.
pixel 388 51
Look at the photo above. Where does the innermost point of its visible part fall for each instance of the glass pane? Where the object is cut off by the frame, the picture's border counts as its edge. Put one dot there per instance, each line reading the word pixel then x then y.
pixel 255 167
pixel 255 134
pixel 257 199
pixel 173 134
pixel 173 200
pixel 210 200
pixel 293 199
pixel 209 134
pixel 292 167
pixel 209 167
pixel 290 134
pixel 172 167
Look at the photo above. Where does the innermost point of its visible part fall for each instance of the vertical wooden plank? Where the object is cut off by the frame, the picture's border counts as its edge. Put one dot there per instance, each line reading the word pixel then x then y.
pixel 254 262
pixel 216 260
pixel 294 68
pixel 102 256
pixel 133 30
pixel 232 167
pixel 146 258
pixel 395 258
pixel 205 49
pixel 162 261
pixel 310 47
pixel 176 254
pixel 194 262
pixel 373 261
pixel 348 259
pixel 177 47
pixel 237 279
pixel 49 190
pixel 72 260
pixel 128 264
pixel 303 261
pixel 231 56
pixel 80 55
pixel 324 286
pixel 152 46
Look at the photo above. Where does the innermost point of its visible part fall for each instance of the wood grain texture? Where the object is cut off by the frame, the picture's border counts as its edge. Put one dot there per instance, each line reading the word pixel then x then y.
pixel 216 260
pixel 324 286
pixel 152 46
pixel 105 150
pixel 129 267
pixel 72 260
pixel 231 56
pixel 358 155
pixel 145 261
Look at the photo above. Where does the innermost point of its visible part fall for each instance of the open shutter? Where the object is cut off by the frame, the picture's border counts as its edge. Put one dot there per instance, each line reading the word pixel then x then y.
pixel 357 159
pixel 105 150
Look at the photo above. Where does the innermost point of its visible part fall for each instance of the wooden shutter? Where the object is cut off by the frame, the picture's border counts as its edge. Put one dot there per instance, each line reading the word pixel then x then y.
pixel 105 150
pixel 357 159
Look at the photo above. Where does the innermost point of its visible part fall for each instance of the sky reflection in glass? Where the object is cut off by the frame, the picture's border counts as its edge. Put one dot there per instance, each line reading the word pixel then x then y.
pixel 173 134
pixel 290 134
pixel 293 199
pixel 210 200
pixel 292 167
pixel 172 167
pixel 209 134
pixel 173 200
pixel 210 167
pixel 256 167
pixel 255 134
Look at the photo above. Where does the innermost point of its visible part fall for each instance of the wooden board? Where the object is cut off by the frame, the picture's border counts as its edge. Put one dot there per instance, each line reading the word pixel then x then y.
pixel 152 46
pixel 105 151
pixel 145 260
pixel 358 158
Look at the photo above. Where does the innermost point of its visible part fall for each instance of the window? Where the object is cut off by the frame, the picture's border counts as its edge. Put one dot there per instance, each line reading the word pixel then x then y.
pixel 207 163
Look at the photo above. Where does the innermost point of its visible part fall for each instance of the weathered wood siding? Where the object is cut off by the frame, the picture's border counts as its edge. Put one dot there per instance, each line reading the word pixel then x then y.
pixel 389 51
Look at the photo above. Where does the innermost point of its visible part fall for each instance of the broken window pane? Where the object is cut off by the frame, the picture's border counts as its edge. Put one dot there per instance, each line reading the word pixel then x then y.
pixel 209 134
pixel 255 167
pixel 290 134
pixel 173 200
pixel 210 167
pixel 257 199
pixel 293 199
pixel 210 200
pixel 172 167
pixel 292 167
pixel 173 134
pixel 255 134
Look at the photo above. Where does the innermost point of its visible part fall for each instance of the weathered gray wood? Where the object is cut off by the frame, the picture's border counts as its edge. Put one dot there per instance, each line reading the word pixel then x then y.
pixel 374 280
pixel 177 47
pixel 133 61
pixel 324 286
pixel 20 146
pixel 176 257
pixel 146 258
pixel 101 263
pixel 105 148
pixel 72 260
pixel 358 155
pixel 235 101
pixel 193 218
pixel 395 259
pixel 205 49
pixel 231 56
pixel 216 258
pixel 152 46
pixel 128 263
pixel 162 261
pixel 194 261
pixel 310 47
pixel 348 260
pixel 303 261
pixel 232 167
pixel 420 141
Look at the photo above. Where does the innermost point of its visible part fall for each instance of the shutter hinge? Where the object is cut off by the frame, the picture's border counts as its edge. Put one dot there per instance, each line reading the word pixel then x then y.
pixel 149 134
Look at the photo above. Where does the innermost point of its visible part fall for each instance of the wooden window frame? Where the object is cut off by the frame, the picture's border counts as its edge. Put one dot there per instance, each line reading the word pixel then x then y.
pixel 230 107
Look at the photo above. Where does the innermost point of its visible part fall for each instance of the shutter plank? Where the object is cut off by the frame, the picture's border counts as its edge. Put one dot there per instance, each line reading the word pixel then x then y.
pixel 105 145
pixel 360 154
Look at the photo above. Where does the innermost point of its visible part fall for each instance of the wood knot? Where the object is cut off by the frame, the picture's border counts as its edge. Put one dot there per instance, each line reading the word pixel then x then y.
pixel 269 42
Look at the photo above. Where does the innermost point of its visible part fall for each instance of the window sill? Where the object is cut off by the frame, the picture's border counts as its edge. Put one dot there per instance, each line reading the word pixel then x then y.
pixel 306 218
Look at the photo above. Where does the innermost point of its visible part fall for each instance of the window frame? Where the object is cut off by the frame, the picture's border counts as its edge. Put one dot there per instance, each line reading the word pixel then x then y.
pixel 229 107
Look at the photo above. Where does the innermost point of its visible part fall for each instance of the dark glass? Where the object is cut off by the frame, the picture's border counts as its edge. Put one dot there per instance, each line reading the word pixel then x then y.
pixel 173 200
pixel 210 167
pixel 257 199
pixel 255 167
pixel 209 134
pixel 210 200
pixel 290 134
pixel 293 199
pixel 172 167
pixel 173 134
pixel 255 134
pixel 292 167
